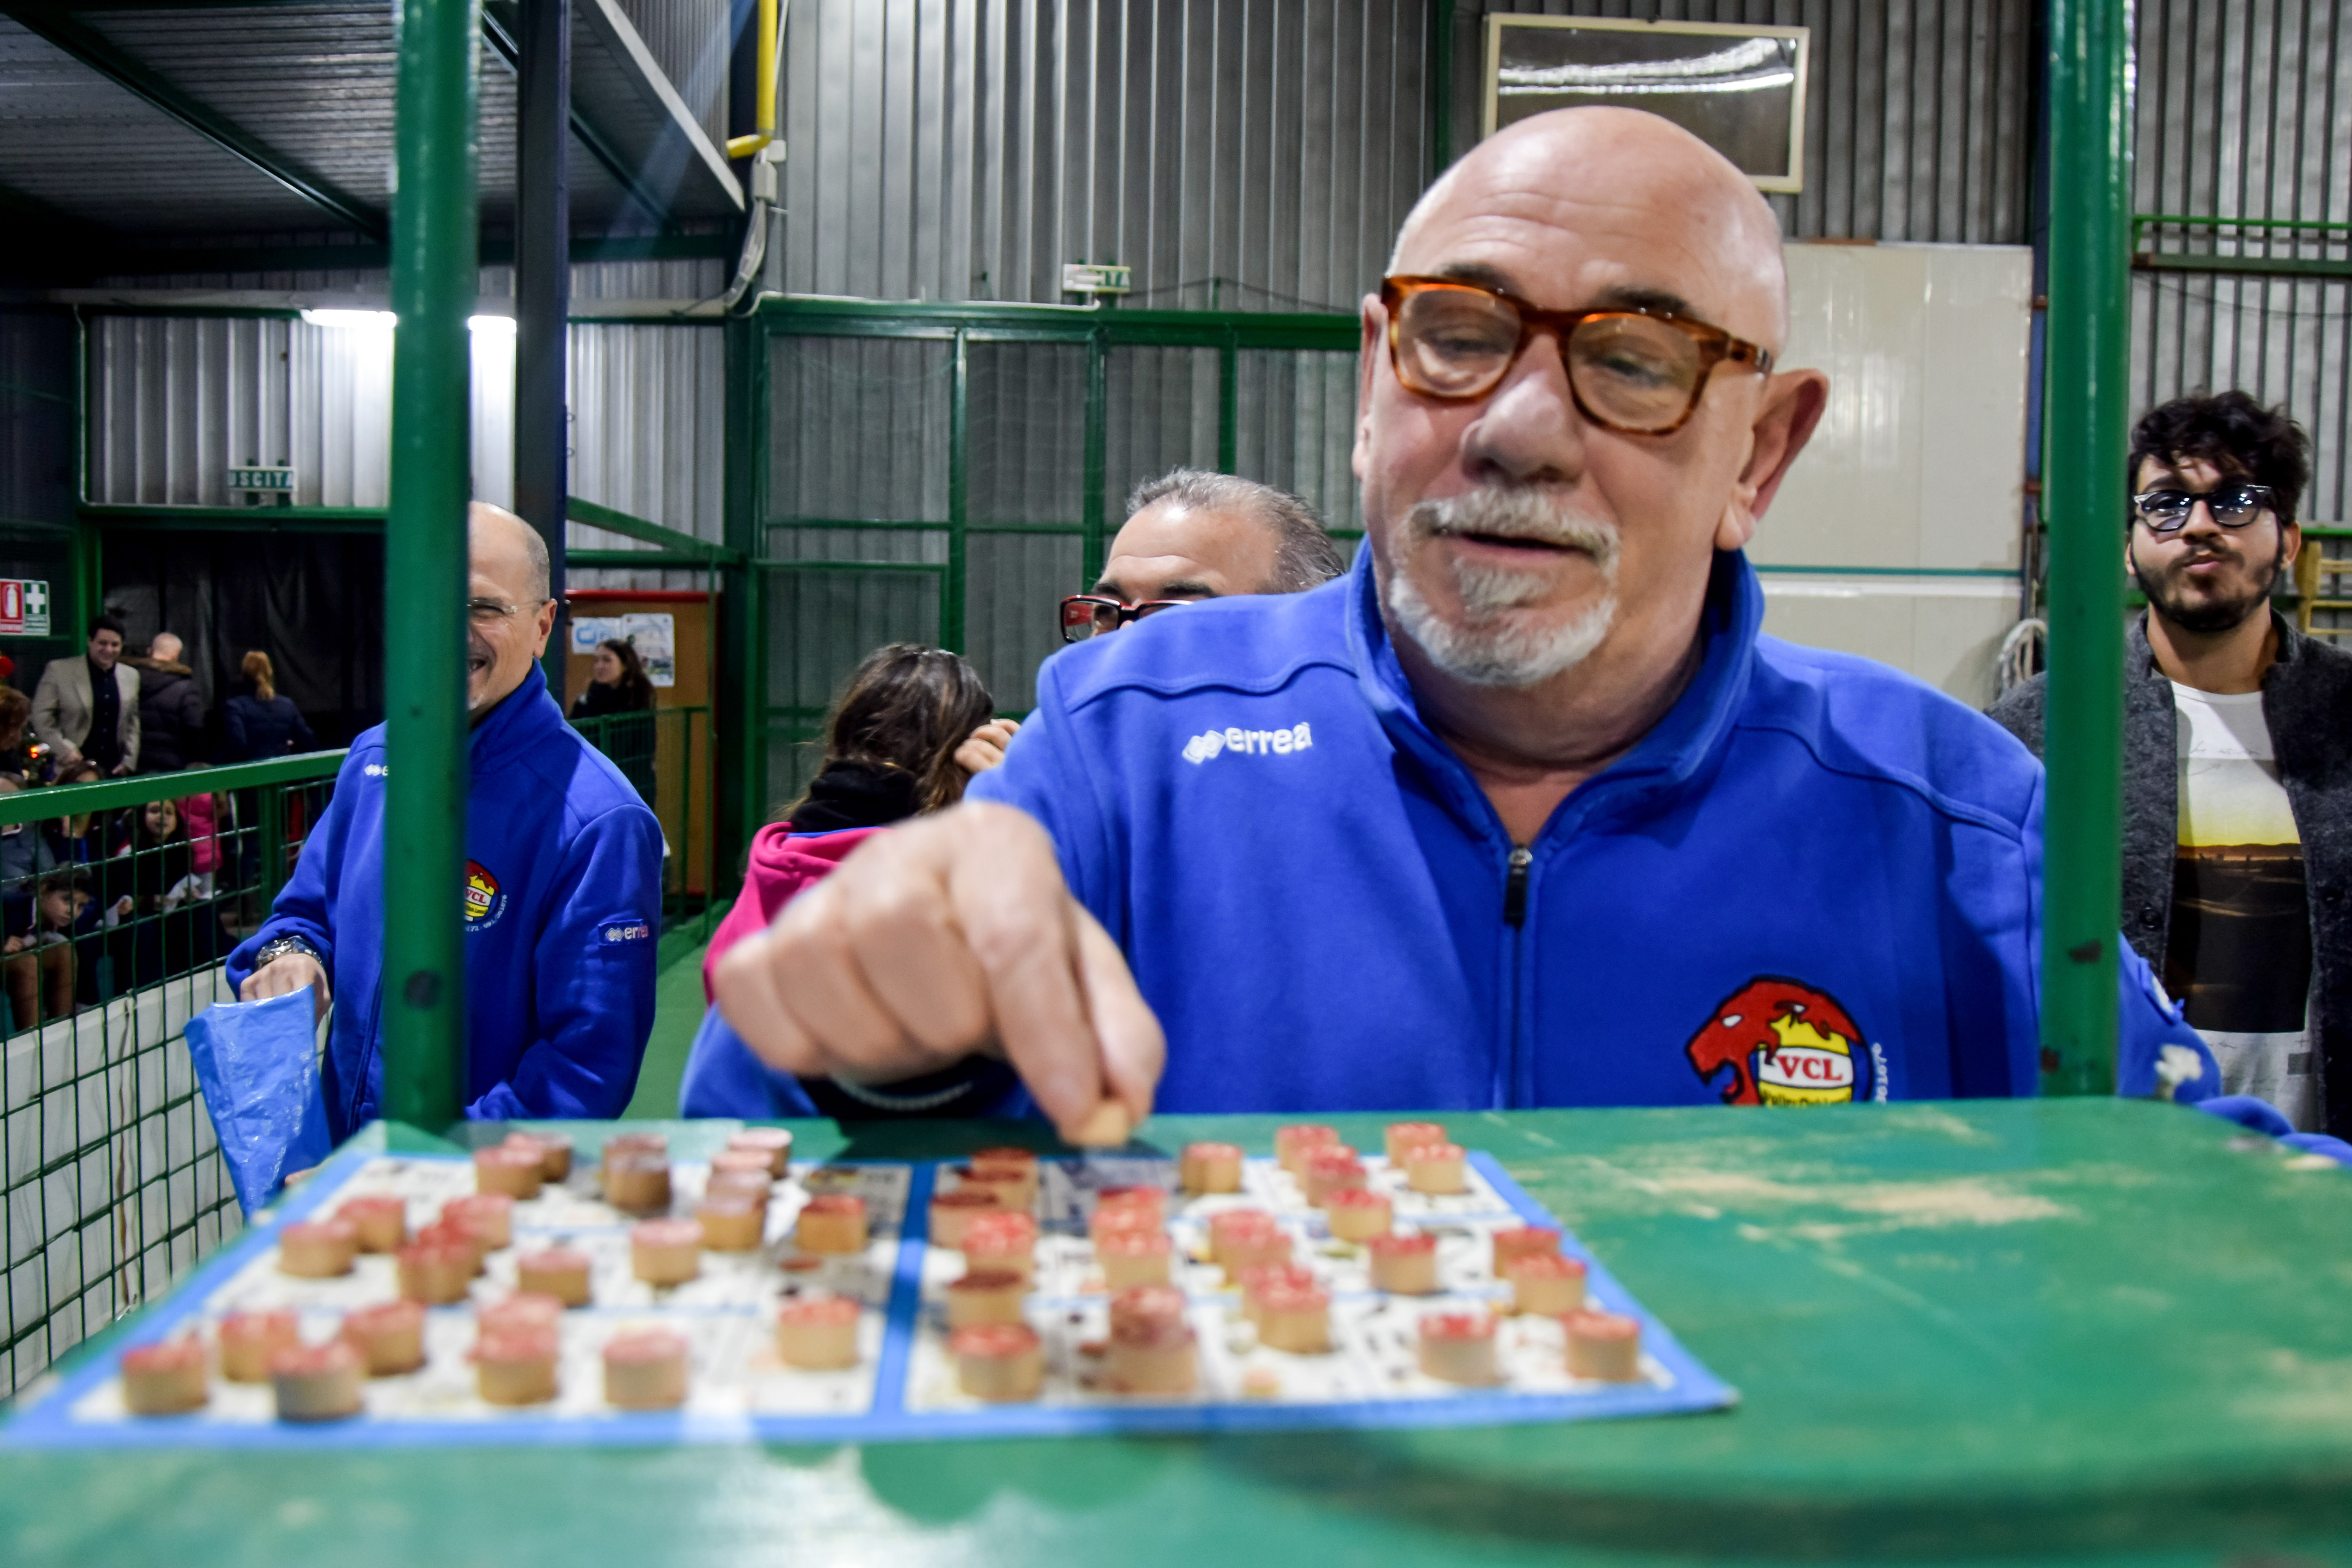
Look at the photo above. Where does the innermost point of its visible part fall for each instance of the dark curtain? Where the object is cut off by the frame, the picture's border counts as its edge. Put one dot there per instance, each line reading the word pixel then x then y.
pixel 312 602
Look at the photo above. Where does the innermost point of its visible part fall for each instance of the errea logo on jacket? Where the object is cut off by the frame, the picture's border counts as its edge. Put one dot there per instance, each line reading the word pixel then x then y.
pixel 1259 742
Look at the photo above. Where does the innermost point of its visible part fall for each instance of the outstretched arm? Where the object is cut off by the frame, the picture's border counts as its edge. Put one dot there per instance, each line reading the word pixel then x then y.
pixel 951 937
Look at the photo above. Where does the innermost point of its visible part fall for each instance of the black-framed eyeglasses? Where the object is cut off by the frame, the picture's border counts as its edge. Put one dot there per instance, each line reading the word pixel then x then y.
pixel 1637 372
pixel 2232 505
pixel 1086 616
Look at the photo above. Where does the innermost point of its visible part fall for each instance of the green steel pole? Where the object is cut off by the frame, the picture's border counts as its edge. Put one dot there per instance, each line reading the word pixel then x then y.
pixel 2086 418
pixel 953 582
pixel 434 282
pixel 1098 461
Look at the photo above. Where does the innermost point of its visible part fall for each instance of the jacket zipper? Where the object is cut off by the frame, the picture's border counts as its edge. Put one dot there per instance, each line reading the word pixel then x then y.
pixel 1515 915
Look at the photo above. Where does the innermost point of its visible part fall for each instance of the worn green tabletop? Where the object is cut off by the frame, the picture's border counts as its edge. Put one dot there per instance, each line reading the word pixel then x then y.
pixel 1997 1331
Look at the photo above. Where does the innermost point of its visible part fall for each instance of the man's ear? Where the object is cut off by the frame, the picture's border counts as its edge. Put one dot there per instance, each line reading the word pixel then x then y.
pixel 1367 363
pixel 1793 404
pixel 546 628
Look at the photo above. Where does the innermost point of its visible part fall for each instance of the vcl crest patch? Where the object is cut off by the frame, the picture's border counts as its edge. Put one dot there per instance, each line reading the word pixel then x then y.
pixel 484 899
pixel 1785 1043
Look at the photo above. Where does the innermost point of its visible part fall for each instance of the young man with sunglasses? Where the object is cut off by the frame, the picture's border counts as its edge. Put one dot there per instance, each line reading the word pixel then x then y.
pixel 1524 811
pixel 2237 761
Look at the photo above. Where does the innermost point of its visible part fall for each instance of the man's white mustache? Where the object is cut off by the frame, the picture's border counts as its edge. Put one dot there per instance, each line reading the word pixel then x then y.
pixel 1514 514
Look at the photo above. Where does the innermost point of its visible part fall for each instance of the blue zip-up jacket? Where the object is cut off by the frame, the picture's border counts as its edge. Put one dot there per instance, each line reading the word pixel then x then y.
pixel 1815 880
pixel 562 901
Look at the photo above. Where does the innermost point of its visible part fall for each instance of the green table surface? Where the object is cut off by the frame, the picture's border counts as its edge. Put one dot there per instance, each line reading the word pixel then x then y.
pixel 2005 1331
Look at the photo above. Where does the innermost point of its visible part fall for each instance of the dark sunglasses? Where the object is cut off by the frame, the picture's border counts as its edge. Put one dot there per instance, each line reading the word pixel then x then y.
pixel 1086 616
pixel 2231 506
pixel 1637 372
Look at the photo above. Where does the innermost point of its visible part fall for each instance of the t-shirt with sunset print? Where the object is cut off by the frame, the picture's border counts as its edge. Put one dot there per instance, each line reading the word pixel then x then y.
pixel 2238 953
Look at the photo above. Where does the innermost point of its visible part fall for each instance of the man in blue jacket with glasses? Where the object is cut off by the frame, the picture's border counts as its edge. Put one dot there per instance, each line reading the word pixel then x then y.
pixel 1525 811
pixel 562 895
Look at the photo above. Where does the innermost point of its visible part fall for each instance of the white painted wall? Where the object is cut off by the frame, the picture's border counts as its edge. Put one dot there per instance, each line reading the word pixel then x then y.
pixel 1896 534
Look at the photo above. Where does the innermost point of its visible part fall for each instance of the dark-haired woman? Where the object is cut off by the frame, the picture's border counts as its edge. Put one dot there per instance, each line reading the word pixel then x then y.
pixel 909 732
pixel 620 699
pixel 618 683
pixel 260 723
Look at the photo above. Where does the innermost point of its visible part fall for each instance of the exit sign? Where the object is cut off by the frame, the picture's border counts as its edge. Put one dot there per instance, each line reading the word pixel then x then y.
pixel 23 607
pixel 262 484
pixel 1096 278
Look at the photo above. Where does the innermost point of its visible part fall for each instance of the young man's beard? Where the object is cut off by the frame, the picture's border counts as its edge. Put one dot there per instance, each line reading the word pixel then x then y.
pixel 2214 614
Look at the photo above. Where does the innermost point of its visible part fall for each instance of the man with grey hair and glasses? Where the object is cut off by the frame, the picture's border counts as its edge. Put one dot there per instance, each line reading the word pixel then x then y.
pixel 1190 535
pixel 561 888
pixel 1524 810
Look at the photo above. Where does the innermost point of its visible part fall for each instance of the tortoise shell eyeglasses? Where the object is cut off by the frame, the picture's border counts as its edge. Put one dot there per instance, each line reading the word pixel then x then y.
pixel 1636 370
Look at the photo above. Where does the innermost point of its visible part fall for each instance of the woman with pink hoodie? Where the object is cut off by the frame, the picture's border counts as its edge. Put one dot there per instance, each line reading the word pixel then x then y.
pixel 909 732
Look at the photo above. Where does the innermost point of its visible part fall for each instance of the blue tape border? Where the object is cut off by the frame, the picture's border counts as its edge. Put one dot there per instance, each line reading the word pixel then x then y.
pixel 45 1423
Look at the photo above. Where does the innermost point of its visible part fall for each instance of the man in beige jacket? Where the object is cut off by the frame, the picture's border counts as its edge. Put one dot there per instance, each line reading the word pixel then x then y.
pixel 88 708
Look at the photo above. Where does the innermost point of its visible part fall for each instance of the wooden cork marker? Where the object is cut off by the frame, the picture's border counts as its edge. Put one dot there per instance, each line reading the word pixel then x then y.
pixel 1108 1126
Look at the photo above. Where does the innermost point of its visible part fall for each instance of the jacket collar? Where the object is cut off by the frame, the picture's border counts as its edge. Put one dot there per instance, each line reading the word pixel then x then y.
pixel 523 719
pixel 1677 751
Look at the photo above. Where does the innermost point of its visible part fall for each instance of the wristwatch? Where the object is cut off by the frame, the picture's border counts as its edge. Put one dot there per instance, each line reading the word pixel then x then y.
pixel 279 947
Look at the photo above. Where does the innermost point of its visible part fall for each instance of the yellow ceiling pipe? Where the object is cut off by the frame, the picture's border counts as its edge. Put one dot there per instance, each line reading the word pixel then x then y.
pixel 771 42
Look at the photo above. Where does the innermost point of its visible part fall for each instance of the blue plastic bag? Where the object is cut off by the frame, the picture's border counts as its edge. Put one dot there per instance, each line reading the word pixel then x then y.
pixel 258 1063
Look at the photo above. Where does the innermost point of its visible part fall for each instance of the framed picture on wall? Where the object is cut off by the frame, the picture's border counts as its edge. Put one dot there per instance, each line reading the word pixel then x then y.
pixel 1740 88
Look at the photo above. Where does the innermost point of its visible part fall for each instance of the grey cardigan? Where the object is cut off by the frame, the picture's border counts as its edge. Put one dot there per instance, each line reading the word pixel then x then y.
pixel 2307 703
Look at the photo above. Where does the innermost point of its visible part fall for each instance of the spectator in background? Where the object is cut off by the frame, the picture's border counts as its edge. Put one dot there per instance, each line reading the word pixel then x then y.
pixel 562 890
pixel 619 703
pixel 40 963
pixel 171 708
pixel 893 748
pixel 17 760
pixel 2237 765
pixel 261 724
pixel 143 884
pixel 618 683
pixel 88 708
pixel 28 851
pixel 1191 535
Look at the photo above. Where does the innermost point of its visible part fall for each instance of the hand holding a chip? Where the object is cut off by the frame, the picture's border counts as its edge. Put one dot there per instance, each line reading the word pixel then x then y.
pixel 952 936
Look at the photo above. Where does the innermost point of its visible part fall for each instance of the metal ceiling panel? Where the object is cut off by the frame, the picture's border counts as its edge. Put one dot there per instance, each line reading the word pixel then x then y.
pixel 617 84
pixel 692 41
pixel 91 150
pixel 316 84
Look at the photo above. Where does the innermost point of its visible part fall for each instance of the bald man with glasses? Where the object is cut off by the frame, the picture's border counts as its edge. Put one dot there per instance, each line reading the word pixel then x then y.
pixel 1524 810
pixel 560 893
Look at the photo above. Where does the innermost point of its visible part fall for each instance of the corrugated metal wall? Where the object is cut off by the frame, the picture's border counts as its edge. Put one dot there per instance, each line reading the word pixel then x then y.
pixel 1247 155
pixel 1259 154
pixel 2245 112
pixel 175 401
pixel 37 417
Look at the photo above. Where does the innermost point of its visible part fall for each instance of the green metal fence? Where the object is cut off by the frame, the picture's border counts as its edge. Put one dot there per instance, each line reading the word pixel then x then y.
pixel 944 474
pixel 121 901
pixel 665 753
